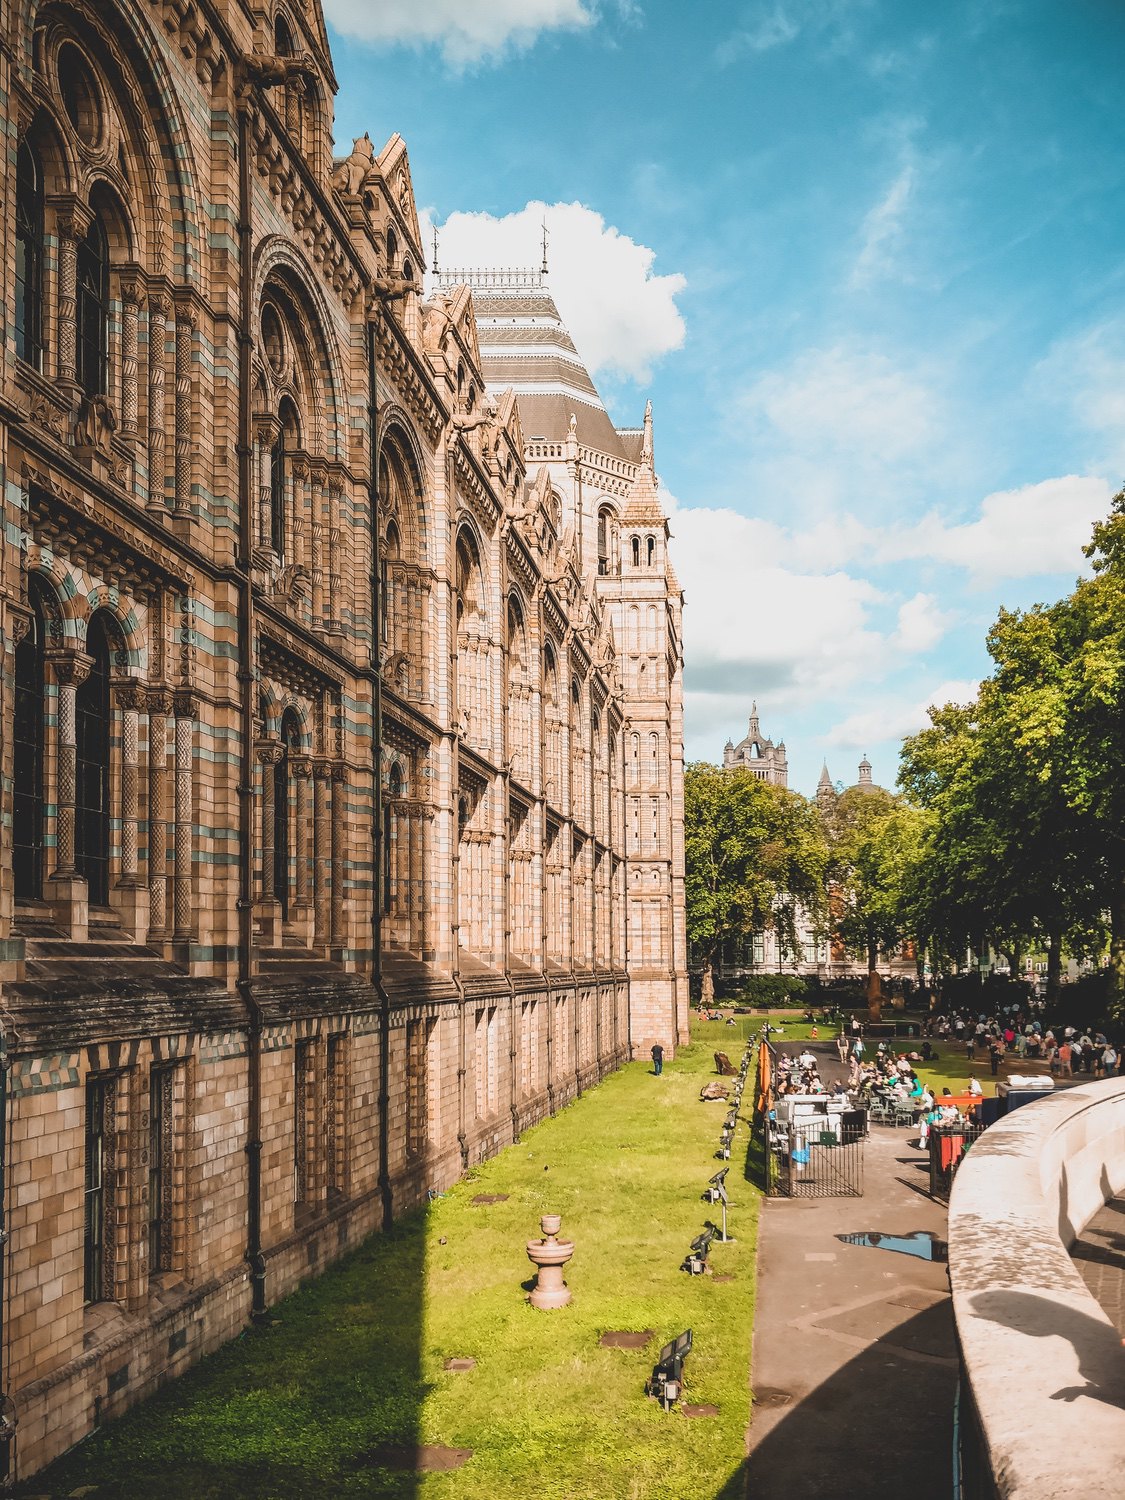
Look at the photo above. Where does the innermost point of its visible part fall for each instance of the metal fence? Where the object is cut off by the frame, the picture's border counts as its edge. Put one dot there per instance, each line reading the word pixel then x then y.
pixel 947 1148
pixel 805 1162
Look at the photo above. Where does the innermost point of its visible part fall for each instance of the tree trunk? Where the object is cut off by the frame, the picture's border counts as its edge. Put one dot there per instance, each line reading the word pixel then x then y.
pixel 1054 967
pixel 874 985
pixel 1117 949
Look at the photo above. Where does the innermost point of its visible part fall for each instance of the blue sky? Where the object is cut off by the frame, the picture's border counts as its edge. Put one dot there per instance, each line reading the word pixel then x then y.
pixel 867 258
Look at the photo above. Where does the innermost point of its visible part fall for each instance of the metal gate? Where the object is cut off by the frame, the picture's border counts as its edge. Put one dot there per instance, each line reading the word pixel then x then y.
pixel 947 1151
pixel 816 1163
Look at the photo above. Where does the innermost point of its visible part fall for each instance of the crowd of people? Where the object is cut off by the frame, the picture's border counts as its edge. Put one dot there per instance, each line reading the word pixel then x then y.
pixel 800 1075
pixel 1010 1032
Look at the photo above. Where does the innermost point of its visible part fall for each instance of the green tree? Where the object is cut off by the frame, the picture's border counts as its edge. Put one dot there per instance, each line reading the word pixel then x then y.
pixel 1027 785
pixel 755 859
pixel 875 841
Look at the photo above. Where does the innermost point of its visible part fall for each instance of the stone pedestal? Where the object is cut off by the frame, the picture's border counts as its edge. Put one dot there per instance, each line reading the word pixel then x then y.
pixel 549 1255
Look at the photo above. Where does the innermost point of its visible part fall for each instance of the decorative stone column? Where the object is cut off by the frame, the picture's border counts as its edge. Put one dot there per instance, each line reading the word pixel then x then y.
pixel 159 307
pixel 186 321
pixel 66 889
pixel 132 900
pixel 184 708
pixel 265 433
pixel 414 874
pixel 132 300
pixel 339 790
pixel 159 707
pixel 71 224
pixel 316 528
pixel 335 581
pixel 300 770
pixel 425 943
pixel 322 774
pixel 268 754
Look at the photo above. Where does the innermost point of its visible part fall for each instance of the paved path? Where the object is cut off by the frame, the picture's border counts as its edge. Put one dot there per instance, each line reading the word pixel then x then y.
pixel 1099 1253
pixel 853 1364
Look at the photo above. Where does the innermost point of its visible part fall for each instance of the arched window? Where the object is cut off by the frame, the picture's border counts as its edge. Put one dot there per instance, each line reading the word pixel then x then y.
pixel 92 314
pixel 29 256
pixel 650 548
pixel 290 745
pixel 392 250
pixel 92 726
pixel 287 438
pixel 605 539
pixel 636 552
pixel 390 819
pixel 27 746
pixel 392 550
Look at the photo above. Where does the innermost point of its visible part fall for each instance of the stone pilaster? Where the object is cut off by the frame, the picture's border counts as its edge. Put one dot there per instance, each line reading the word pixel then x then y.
pixel 65 888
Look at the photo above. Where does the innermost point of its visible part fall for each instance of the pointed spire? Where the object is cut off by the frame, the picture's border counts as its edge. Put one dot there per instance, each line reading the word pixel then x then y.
pixel 646 443
pixel 825 780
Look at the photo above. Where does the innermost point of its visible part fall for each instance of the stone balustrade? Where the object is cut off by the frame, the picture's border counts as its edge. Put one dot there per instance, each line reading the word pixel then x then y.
pixel 1042 1408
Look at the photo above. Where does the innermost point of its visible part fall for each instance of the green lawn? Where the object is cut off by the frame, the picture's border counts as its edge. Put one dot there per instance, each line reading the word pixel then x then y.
pixel 356 1359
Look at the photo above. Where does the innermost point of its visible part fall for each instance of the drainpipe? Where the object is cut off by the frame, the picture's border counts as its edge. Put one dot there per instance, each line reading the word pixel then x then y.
pixel 254 1255
pixel 386 1193
pixel 7 1408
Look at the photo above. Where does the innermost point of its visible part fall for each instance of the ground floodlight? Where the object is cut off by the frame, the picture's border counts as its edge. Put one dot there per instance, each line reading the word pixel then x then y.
pixel 666 1382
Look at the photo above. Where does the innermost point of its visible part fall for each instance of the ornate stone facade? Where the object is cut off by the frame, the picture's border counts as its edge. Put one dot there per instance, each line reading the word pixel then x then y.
pixel 316 883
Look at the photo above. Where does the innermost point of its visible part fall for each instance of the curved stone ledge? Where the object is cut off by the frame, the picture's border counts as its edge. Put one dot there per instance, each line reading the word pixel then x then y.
pixel 1044 1365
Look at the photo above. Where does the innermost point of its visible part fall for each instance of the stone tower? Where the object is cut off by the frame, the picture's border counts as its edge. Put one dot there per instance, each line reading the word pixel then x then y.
pixel 612 522
pixel 769 762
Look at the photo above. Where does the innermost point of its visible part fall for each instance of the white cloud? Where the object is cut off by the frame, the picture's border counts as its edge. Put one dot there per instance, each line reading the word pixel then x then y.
pixel 846 401
pixel 764 26
pixel 756 623
pixel 921 624
pixel 1087 373
pixel 761 31
pixel 884 229
pixel 467 31
pixel 1038 528
pixel 622 316
pixel 893 719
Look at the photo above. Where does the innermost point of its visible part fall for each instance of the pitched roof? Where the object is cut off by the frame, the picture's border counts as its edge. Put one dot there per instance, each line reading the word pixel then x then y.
pixel 525 345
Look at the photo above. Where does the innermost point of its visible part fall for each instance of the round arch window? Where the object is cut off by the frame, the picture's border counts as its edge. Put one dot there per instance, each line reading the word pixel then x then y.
pixel 273 339
pixel 79 93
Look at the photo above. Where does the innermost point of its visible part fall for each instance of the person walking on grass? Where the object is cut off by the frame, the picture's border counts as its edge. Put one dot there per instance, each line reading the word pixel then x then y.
pixel 657 1059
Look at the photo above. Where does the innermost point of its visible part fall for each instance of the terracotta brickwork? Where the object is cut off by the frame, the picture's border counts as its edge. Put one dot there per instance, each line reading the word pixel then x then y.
pixel 315 881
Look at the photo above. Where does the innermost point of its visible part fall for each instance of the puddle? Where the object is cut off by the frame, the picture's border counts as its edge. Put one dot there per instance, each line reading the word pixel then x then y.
pixel 922 1245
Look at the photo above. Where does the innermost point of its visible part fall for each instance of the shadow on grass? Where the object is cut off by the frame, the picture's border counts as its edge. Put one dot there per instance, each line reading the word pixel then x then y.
pixel 323 1400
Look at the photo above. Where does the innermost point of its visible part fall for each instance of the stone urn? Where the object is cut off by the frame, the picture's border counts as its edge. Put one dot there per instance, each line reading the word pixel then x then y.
pixel 549 1255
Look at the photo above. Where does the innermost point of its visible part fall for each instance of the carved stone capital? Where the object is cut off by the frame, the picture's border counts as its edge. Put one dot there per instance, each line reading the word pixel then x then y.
pixel 322 770
pixel 132 284
pixel 72 217
pixel 267 752
pixel 187 315
pixel 19 622
pixel 71 666
pixel 128 693
pixel 339 772
pixel 160 700
pixel 301 767
pixel 185 704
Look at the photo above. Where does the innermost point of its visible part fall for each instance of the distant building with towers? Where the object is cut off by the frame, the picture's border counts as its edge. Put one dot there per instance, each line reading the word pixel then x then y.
pixel 768 761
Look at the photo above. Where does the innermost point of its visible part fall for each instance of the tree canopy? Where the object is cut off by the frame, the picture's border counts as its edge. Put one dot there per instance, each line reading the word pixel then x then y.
pixel 755 856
